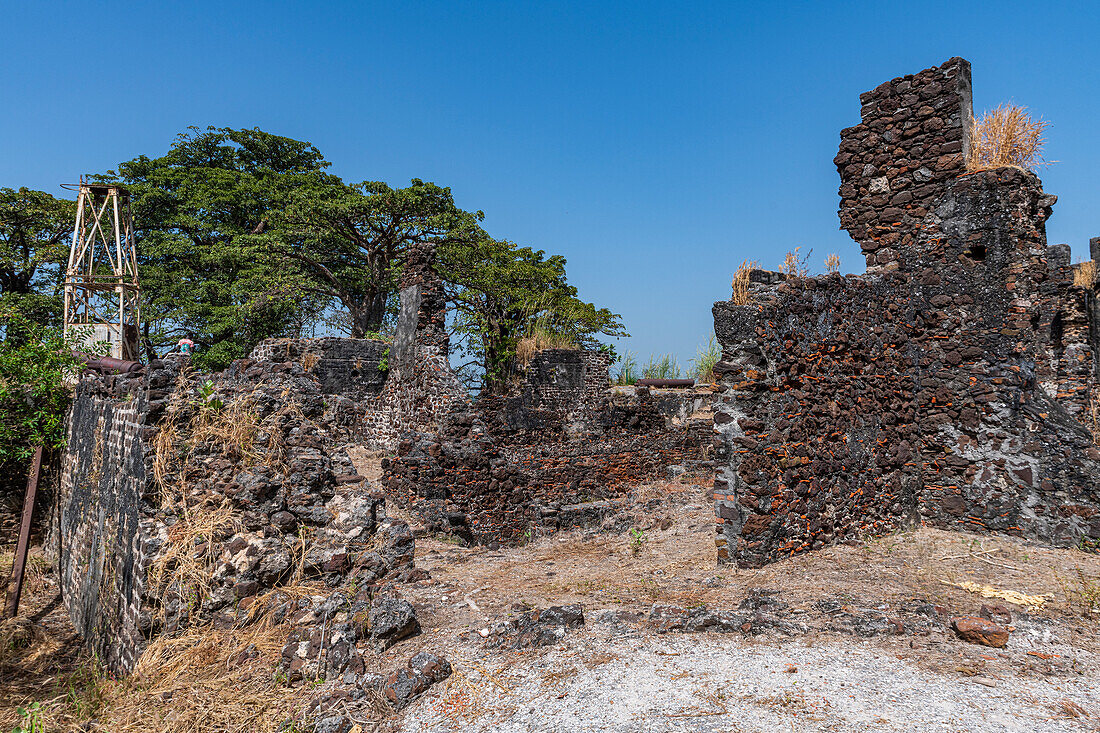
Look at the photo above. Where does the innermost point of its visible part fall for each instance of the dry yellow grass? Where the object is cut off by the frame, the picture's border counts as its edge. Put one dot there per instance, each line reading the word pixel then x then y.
pixel 793 265
pixel 740 282
pixel 1084 274
pixel 186 561
pixel 832 264
pixel 540 340
pixel 1006 137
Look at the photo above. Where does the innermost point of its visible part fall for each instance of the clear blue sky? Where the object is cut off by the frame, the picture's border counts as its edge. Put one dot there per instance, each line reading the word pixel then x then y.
pixel 655 145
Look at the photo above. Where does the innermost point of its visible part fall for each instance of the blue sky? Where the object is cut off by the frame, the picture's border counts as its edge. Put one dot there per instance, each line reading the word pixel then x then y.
pixel 655 145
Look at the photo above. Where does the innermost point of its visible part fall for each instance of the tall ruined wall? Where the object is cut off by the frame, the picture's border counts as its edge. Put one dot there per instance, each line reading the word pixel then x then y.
pixel 912 141
pixel 100 536
pixel 940 387
pixel 422 391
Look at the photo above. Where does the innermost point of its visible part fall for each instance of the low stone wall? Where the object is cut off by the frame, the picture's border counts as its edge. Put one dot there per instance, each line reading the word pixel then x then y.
pixel 486 480
pixel 565 380
pixel 353 368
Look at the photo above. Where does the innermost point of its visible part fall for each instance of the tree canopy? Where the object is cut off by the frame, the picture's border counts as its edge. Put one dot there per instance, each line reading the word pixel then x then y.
pixel 502 293
pixel 243 235
pixel 200 215
pixel 35 233
pixel 349 240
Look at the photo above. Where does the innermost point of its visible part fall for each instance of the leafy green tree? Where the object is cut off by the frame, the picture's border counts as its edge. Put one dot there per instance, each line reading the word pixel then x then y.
pixel 34 361
pixel 202 214
pixel 502 293
pixel 35 234
pixel 349 240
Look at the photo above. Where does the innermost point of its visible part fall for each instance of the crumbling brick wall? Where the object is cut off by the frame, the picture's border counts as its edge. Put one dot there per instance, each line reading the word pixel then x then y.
pixel 940 387
pixel 352 368
pixel 510 467
pixel 150 454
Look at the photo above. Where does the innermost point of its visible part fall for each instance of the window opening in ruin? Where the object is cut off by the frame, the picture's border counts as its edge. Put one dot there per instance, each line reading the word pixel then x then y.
pixel 976 252
pixel 1057 330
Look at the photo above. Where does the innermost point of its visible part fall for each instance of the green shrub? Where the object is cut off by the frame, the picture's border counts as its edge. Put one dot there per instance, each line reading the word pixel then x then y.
pixel 661 367
pixel 34 362
pixel 705 359
pixel 628 369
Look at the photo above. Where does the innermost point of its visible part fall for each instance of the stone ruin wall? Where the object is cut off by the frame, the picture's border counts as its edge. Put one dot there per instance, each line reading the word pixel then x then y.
pixel 112 519
pixel 352 368
pixel 948 386
pixel 565 380
pixel 491 470
pixel 100 538
pixel 504 471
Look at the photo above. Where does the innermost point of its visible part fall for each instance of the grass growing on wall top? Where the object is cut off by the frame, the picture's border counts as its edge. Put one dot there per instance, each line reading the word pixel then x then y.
pixel 1006 137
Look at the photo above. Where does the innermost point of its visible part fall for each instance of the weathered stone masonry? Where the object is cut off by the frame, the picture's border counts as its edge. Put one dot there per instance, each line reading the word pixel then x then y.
pixel 113 519
pixel 99 538
pixel 948 385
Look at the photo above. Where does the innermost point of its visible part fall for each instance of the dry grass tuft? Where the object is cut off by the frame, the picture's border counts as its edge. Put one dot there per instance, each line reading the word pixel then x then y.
pixel 795 266
pixel 309 361
pixel 183 568
pixel 19 637
pixel 234 429
pixel 1082 592
pixel 1084 274
pixel 1006 137
pixel 541 339
pixel 740 282
pixel 832 264
pixel 206 679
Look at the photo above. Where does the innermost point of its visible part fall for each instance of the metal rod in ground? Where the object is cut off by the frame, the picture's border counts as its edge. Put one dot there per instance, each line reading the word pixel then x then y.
pixel 15 585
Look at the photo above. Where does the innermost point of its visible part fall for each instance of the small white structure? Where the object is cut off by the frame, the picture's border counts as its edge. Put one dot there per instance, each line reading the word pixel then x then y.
pixel 101 281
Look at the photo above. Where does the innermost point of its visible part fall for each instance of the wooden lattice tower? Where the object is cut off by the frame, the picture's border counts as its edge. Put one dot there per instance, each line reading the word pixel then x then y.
pixel 101 281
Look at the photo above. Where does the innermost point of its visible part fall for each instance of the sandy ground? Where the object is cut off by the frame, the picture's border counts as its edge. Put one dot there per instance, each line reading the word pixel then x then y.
pixel 617 674
pixel 625 677
pixel 697 683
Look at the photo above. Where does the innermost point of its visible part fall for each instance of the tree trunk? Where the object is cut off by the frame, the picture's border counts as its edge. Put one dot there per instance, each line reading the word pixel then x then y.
pixel 367 314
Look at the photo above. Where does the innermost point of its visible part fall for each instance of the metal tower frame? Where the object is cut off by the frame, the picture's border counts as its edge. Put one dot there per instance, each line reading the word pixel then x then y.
pixel 101 280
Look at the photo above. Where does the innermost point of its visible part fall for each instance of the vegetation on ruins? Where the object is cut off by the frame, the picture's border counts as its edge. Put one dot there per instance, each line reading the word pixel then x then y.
pixel 34 362
pixel 1006 136
pixel 503 293
pixel 740 284
pixel 628 372
pixel 795 266
pixel 705 358
pixel 832 264
pixel 663 366
pixel 1084 274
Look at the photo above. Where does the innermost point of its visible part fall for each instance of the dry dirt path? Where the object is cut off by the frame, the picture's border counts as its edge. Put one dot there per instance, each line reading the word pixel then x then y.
pixel 723 684
pixel 614 676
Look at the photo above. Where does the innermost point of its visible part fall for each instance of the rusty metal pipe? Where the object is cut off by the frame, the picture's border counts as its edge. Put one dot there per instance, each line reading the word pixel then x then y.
pixel 108 364
pixel 15 585
pixel 666 382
